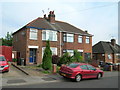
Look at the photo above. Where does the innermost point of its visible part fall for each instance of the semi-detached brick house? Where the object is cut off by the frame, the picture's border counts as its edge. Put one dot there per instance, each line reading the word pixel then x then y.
pixel 30 40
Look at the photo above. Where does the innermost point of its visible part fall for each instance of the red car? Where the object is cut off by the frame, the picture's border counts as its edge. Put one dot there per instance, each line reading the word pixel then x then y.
pixel 4 66
pixel 79 71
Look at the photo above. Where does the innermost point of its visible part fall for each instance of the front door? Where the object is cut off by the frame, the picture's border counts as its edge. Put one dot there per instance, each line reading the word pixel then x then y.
pixel 32 57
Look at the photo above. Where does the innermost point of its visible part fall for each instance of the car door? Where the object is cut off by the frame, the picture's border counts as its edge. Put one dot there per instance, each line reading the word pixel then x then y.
pixel 93 72
pixel 84 71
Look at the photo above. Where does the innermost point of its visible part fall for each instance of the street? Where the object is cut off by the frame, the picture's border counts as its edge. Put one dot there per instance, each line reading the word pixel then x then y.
pixel 17 79
pixel 107 82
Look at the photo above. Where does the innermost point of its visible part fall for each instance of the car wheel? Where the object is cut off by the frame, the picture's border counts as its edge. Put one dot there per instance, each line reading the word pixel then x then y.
pixel 78 78
pixel 99 76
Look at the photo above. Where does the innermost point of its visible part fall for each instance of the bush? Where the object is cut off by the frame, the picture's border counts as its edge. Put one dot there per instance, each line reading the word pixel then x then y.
pixel 65 59
pixel 40 65
pixel 14 60
pixel 55 59
pixel 77 57
pixel 47 58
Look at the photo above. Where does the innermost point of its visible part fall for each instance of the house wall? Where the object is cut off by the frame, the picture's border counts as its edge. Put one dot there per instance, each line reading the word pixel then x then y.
pixel 20 42
pixel 99 57
pixel 86 47
pixel 21 45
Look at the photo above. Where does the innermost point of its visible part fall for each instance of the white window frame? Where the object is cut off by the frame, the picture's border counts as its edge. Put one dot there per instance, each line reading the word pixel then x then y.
pixel 67 36
pixel 80 39
pixel 51 48
pixel 109 56
pixel 33 32
pixel 71 52
pixel 46 35
pixel 87 40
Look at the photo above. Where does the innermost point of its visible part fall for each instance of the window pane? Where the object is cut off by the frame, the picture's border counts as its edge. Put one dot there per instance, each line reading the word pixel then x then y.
pixel 49 35
pixel 43 35
pixel 109 56
pixel 84 67
pixel 90 67
pixel 87 40
pixel 54 51
pixel 71 52
pixel 33 34
pixel 73 65
pixel 80 39
pixel 70 37
pixel 87 56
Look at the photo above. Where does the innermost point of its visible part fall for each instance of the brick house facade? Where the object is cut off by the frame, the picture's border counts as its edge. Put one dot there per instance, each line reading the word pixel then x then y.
pixel 107 51
pixel 30 40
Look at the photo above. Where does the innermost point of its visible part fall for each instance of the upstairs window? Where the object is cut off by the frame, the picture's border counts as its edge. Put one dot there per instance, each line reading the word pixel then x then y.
pixel 33 34
pixel 80 39
pixel 68 37
pixel 49 35
pixel 87 39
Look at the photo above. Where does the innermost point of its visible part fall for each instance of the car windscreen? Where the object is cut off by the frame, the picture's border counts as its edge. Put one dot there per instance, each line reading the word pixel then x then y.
pixel 73 65
pixel 2 58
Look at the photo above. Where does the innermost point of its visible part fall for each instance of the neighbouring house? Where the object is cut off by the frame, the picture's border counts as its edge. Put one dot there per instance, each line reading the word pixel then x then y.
pixel 106 51
pixel 30 40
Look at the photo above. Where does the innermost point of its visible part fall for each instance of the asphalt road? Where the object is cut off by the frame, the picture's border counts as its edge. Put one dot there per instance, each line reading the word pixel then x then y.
pixel 105 82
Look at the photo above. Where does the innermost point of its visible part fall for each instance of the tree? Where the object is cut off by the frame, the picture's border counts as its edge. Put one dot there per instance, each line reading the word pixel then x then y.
pixel 7 41
pixel 47 57
pixel 77 57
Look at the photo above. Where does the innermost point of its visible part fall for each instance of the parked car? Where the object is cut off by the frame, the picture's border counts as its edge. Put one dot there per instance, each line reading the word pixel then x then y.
pixel 79 71
pixel 4 66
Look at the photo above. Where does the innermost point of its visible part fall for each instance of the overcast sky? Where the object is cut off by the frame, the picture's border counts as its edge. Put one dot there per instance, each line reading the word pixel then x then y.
pixel 98 18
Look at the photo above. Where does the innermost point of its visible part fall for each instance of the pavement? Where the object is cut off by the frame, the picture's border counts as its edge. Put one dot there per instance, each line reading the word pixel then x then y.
pixel 26 76
pixel 29 76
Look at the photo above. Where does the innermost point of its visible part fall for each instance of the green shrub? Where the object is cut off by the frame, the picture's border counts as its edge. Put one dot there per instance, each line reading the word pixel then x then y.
pixel 46 72
pixel 14 60
pixel 40 65
pixel 77 57
pixel 47 58
pixel 65 59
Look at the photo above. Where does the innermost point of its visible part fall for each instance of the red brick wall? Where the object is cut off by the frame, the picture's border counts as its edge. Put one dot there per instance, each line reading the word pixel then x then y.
pixel 22 44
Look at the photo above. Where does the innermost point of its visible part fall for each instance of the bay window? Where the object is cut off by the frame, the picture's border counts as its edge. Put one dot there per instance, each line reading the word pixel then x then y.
pixel 49 35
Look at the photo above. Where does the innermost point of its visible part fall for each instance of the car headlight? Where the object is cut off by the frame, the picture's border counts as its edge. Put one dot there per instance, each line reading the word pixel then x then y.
pixel 6 66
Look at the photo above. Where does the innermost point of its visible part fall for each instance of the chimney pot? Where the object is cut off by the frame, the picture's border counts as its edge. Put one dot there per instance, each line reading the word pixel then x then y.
pixel 51 17
pixel 45 16
pixel 86 31
pixel 113 42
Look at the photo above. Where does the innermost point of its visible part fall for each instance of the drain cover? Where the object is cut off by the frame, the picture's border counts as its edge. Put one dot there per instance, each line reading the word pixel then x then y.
pixel 48 79
pixel 16 81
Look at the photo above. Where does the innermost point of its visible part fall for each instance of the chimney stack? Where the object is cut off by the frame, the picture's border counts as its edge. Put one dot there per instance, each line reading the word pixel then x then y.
pixel 51 17
pixel 113 42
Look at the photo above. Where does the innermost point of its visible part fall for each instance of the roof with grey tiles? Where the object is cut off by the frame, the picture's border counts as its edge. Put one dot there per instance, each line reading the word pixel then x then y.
pixel 42 23
pixel 106 47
